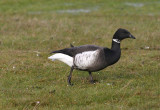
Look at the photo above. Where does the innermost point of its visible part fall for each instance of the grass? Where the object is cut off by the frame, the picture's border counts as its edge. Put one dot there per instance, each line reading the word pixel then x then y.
pixel 30 29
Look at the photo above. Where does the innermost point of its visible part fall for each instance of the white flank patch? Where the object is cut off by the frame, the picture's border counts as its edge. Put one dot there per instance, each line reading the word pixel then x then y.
pixel 86 59
pixel 62 57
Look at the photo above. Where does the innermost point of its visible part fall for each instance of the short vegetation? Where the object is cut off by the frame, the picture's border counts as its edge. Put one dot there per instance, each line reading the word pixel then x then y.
pixel 31 29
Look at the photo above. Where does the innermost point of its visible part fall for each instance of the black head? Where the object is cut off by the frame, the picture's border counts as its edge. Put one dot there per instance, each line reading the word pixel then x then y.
pixel 121 34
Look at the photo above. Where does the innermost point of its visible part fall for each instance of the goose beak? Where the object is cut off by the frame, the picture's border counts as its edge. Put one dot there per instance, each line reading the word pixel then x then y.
pixel 131 36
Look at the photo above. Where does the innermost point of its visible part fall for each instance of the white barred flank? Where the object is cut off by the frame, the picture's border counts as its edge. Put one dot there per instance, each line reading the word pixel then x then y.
pixel 62 57
pixel 86 59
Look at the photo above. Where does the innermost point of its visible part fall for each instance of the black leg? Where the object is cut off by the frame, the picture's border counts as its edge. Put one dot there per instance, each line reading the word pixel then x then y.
pixel 91 78
pixel 70 76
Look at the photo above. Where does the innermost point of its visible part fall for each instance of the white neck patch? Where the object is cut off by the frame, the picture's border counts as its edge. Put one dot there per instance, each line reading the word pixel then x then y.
pixel 117 40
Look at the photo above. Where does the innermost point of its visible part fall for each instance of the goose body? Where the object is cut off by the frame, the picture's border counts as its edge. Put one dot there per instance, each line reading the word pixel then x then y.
pixel 91 58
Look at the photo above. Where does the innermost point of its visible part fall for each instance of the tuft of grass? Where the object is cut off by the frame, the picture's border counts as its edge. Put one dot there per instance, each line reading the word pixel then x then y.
pixel 31 29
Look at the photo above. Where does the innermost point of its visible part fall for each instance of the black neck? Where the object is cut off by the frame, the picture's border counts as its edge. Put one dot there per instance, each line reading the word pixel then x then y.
pixel 115 46
pixel 116 53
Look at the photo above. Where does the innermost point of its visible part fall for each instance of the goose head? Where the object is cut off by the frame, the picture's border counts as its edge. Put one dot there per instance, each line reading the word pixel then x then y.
pixel 121 34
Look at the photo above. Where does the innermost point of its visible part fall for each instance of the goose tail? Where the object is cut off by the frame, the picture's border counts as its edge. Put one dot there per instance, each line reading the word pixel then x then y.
pixel 57 51
pixel 63 58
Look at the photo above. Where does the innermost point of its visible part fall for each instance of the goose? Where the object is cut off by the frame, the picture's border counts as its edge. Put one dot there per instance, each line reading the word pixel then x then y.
pixel 91 58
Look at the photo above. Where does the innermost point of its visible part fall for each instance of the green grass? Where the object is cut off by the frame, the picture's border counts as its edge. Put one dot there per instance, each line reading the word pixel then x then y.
pixel 36 27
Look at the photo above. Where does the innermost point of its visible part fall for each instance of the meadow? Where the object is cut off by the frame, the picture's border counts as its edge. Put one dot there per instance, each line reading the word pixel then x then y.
pixel 31 29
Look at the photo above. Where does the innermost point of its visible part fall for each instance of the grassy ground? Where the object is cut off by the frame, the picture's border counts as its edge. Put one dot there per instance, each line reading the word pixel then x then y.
pixel 30 29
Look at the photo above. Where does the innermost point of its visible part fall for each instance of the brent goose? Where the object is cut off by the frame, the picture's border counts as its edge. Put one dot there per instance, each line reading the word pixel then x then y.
pixel 92 58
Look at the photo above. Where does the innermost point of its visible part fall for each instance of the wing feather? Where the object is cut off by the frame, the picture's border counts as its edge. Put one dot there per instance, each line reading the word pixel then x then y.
pixel 76 50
